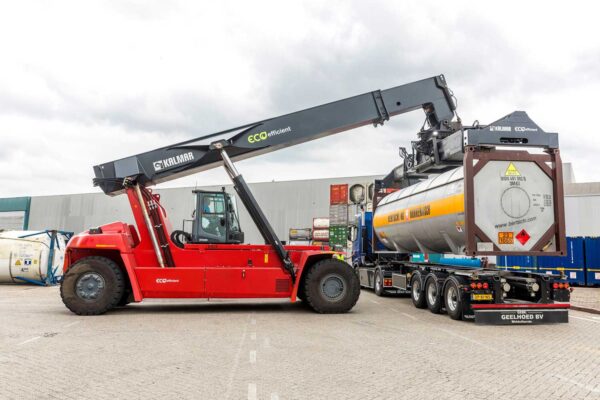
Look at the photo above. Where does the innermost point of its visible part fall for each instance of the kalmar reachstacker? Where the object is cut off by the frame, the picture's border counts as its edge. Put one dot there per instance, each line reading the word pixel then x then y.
pixel 117 263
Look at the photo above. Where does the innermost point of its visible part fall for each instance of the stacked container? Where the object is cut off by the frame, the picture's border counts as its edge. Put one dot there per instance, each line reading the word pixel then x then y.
pixel 338 215
pixel 517 263
pixel 300 236
pixel 572 265
pixel 592 260
pixel 320 231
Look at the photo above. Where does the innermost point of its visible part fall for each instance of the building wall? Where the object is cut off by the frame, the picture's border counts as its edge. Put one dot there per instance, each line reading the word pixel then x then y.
pixel 291 204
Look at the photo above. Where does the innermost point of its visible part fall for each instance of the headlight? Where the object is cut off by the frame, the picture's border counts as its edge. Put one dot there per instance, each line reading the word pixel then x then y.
pixel 506 287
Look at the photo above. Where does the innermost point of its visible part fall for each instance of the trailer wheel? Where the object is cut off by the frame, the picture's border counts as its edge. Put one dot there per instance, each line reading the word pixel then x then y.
pixel 331 287
pixel 453 298
pixel 378 284
pixel 416 291
pixel 432 294
pixel 92 286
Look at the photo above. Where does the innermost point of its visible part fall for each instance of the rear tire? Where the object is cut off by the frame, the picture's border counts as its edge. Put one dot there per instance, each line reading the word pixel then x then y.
pixel 432 294
pixel 453 299
pixel 416 291
pixel 92 286
pixel 331 287
pixel 378 283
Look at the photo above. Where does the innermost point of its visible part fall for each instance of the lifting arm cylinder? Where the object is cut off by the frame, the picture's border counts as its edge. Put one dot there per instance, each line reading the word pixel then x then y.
pixel 149 226
pixel 261 222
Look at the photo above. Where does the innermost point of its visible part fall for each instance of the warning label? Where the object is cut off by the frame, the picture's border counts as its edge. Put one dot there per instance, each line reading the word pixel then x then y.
pixel 506 238
pixel 512 170
pixel 523 237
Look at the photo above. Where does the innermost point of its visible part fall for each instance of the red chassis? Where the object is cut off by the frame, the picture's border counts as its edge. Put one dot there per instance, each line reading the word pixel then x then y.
pixel 200 270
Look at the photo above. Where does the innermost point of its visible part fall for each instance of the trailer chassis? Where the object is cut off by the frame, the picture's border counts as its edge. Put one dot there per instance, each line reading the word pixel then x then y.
pixel 484 295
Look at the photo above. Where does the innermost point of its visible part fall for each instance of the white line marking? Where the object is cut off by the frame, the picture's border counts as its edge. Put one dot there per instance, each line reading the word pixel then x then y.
pixel 236 362
pixel 252 391
pixel 586 387
pixel 373 301
pixel 274 396
pixel 585 319
pixel 252 356
pixel 410 316
pixel 71 324
pixel 253 336
pixel 29 340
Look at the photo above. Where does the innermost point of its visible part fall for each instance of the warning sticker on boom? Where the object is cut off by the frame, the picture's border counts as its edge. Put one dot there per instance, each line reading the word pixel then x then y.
pixel 512 170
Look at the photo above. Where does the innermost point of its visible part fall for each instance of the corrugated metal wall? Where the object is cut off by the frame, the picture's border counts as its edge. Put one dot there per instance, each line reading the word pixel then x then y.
pixel 291 204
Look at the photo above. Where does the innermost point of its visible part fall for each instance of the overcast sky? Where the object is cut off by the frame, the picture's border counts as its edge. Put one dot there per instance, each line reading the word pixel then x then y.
pixel 88 82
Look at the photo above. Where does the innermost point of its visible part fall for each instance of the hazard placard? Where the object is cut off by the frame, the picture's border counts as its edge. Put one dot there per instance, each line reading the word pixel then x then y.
pixel 512 170
pixel 506 238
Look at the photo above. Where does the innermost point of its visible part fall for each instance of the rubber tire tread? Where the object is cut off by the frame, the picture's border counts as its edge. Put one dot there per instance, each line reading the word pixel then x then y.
pixel 381 292
pixel 458 314
pixel 113 292
pixel 437 307
pixel 313 295
pixel 422 303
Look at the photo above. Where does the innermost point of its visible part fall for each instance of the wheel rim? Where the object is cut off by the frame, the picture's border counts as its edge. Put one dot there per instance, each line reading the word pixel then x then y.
pixel 451 298
pixel 378 282
pixel 90 286
pixel 431 292
pixel 333 287
pixel 416 290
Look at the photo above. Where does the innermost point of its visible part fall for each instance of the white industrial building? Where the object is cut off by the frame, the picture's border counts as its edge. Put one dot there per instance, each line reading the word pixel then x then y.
pixel 288 204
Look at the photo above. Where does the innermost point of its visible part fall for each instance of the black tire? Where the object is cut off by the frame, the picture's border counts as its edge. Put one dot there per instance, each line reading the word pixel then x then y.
pixel 92 286
pixel 416 291
pixel 433 297
pixel 331 287
pixel 453 299
pixel 378 283
pixel 126 299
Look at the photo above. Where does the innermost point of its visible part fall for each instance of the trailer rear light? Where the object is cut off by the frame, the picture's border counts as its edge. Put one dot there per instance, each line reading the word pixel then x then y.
pixel 555 285
pixel 561 285
pixel 485 285
pixel 473 285
pixel 566 285
pixel 479 285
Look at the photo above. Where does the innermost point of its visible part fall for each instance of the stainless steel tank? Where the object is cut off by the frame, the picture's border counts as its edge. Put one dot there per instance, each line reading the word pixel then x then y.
pixel 513 207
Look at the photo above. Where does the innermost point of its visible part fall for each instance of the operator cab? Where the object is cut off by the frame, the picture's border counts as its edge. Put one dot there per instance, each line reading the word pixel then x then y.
pixel 215 219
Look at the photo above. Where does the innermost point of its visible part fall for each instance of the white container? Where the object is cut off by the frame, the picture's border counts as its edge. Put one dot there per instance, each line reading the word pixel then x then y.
pixel 321 223
pixel 321 235
pixel 28 257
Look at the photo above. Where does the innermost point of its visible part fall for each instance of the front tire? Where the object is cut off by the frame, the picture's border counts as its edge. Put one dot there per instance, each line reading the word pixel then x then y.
pixel 331 287
pixel 92 286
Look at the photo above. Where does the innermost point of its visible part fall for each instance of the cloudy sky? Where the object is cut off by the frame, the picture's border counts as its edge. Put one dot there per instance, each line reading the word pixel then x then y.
pixel 87 82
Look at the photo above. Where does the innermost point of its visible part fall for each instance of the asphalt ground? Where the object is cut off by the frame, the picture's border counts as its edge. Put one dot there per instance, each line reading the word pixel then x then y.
pixel 266 349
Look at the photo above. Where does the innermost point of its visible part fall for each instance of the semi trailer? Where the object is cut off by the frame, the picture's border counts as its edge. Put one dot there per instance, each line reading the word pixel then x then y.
pixel 500 201
pixel 118 263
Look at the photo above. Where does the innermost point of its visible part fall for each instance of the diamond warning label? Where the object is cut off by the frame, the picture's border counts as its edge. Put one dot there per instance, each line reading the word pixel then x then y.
pixel 523 237
pixel 512 170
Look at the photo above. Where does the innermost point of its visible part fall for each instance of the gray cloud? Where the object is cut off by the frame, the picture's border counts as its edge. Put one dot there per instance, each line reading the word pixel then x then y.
pixel 86 84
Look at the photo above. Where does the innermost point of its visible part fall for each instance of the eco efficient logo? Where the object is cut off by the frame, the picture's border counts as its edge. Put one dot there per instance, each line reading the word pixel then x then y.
pixel 264 135
pixel 159 165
